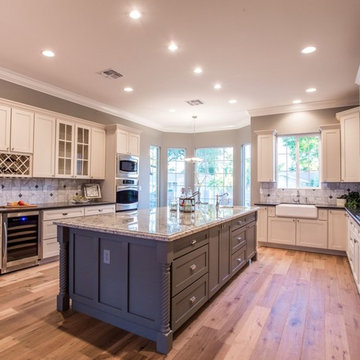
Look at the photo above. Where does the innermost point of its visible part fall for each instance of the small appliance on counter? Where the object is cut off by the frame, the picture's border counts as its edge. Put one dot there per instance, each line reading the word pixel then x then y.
pixel 127 194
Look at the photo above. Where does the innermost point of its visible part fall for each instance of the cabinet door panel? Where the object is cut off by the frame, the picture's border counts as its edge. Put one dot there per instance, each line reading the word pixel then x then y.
pixel 122 142
pixel 64 148
pixel 134 144
pixel 337 230
pixel 330 155
pixel 225 253
pixel 262 224
pixel 214 248
pixel 266 157
pixel 44 138
pixel 311 233
pixel 97 164
pixel 250 240
pixel 281 230
pixel 5 116
pixel 22 130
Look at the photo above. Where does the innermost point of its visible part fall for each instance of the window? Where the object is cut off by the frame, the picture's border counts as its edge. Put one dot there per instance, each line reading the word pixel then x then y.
pixel 176 173
pixel 298 164
pixel 154 176
pixel 214 175
pixel 246 174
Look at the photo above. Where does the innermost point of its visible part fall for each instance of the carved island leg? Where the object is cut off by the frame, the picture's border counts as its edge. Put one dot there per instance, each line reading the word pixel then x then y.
pixel 165 337
pixel 63 299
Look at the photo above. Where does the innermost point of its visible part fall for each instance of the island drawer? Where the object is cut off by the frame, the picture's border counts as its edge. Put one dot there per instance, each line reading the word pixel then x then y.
pixel 190 243
pixel 63 213
pixel 238 239
pixel 237 223
pixel 188 268
pixel 186 303
pixel 238 259
pixel 50 248
pixel 100 209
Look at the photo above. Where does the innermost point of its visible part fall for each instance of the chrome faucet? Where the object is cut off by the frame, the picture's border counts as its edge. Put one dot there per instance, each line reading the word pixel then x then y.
pixel 219 197
pixel 297 200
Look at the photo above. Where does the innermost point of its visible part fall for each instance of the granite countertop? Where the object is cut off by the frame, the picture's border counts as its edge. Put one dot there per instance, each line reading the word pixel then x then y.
pixel 52 206
pixel 355 214
pixel 159 223
pixel 320 206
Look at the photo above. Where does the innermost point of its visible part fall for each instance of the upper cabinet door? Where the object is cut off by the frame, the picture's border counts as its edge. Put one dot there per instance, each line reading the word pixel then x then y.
pixel 82 152
pixel 266 156
pixel 121 142
pixel 5 115
pixel 330 153
pixel 97 169
pixel 44 146
pixel 22 130
pixel 134 144
pixel 64 148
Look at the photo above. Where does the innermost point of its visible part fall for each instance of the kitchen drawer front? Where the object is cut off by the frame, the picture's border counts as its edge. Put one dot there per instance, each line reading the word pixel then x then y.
pixel 188 268
pixel 190 243
pixel 63 213
pixel 238 239
pixel 50 248
pixel 237 223
pixel 49 230
pixel 238 260
pixel 101 209
pixel 186 303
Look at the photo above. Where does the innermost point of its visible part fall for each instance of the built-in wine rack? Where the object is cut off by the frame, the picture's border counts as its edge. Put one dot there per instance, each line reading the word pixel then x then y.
pixel 15 165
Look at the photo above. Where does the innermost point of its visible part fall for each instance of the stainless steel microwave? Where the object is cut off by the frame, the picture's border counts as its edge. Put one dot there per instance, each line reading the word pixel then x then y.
pixel 127 166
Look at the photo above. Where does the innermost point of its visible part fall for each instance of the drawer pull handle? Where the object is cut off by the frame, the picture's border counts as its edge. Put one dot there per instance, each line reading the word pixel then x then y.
pixel 64 214
pixel 355 241
pixel 239 260
pixel 193 242
pixel 193 267
pixel 239 238
pixel 192 299
pixel 100 210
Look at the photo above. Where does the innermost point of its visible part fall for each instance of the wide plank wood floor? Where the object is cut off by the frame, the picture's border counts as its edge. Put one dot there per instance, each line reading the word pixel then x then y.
pixel 287 305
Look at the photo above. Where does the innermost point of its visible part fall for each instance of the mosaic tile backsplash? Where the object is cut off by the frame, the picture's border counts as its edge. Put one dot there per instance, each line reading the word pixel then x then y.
pixel 36 191
pixel 328 193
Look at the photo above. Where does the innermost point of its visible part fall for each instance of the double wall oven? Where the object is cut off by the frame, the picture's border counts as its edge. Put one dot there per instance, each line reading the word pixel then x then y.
pixel 20 246
pixel 127 182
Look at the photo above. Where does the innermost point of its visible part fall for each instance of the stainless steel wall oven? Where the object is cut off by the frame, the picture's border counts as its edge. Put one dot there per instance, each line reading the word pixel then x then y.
pixel 127 194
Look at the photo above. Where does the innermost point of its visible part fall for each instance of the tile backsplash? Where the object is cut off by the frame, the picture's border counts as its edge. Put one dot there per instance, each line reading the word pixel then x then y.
pixel 328 193
pixel 37 191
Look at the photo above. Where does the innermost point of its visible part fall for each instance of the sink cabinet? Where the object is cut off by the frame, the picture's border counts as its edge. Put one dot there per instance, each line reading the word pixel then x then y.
pixel 311 233
pixel 281 230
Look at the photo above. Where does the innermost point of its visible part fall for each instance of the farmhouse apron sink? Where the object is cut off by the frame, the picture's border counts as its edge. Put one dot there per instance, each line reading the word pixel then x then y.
pixel 297 210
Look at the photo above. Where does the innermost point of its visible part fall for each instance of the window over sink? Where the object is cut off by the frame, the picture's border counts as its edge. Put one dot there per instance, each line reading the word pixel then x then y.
pixel 298 161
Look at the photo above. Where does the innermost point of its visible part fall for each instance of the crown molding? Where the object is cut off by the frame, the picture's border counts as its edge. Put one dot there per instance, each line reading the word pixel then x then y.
pixel 49 89
pixel 357 79
pixel 316 105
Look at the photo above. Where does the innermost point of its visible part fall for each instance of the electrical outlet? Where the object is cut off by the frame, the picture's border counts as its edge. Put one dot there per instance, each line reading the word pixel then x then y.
pixel 106 256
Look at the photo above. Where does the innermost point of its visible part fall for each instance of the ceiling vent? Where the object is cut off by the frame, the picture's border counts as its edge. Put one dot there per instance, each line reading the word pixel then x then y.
pixel 110 74
pixel 194 102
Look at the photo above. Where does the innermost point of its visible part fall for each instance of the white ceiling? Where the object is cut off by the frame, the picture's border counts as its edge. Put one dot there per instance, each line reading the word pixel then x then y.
pixel 251 46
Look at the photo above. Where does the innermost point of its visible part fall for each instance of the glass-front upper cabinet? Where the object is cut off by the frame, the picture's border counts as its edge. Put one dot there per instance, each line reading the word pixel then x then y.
pixel 64 148
pixel 82 151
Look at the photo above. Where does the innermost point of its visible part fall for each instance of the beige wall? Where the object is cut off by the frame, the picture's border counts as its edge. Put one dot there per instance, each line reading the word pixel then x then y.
pixel 291 123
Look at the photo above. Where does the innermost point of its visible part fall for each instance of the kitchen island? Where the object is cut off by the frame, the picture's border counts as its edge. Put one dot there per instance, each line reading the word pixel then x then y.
pixel 149 271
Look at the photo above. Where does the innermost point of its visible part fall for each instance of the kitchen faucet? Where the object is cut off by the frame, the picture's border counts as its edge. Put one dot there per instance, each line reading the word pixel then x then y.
pixel 297 200
pixel 220 196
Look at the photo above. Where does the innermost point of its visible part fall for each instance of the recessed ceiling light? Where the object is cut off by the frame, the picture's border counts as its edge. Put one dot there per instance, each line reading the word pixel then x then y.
pixel 297 101
pixel 48 53
pixel 128 89
pixel 198 70
pixel 310 90
pixel 172 110
pixel 173 47
pixel 308 50
pixel 135 14
pixel 217 86
pixel 232 101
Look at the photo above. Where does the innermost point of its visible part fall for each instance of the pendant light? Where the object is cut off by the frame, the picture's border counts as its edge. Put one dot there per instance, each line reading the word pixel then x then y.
pixel 194 159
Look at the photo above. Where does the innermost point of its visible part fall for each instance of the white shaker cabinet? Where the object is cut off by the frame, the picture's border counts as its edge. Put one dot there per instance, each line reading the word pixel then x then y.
pixel 350 144
pixel 311 233
pixel 337 226
pixel 262 224
pixel 282 230
pixel 22 131
pixel 266 142
pixel 82 151
pixel 44 146
pixel 127 143
pixel 330 153
pixel 5 119
pixel 97 168
pixel 64 148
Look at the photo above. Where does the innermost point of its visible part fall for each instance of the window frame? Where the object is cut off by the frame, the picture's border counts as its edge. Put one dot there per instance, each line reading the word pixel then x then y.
pixel 297 136
pixel 168 200
pixel 158 165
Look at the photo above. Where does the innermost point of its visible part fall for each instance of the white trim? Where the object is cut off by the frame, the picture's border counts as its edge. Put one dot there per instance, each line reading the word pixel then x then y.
pixel 316 105
pixel 357 79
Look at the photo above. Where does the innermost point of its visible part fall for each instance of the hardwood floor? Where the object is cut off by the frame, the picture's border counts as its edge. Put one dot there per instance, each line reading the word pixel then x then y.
pixel 287 305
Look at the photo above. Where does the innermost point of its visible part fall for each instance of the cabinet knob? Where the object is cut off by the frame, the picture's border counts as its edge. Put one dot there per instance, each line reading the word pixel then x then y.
pixel 12 149
pixel 193 242
pixel 239 260
pixel 64 214
pixel 239 238
pixel 193 267
pixel 100 210
pixel 192 299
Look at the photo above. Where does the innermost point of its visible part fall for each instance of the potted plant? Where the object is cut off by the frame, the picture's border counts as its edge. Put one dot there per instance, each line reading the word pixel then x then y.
pixel 341 200
pixel 353 200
